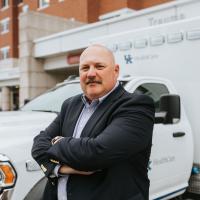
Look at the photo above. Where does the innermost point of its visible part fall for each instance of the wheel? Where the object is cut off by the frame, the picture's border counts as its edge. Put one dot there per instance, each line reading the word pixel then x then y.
pixel 36 192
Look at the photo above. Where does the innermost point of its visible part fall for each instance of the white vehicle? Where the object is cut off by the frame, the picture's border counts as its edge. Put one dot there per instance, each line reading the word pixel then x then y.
pixel 169 168
pixel 170 51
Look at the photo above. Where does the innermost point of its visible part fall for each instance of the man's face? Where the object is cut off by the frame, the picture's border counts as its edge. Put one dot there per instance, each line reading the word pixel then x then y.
pixel 98 72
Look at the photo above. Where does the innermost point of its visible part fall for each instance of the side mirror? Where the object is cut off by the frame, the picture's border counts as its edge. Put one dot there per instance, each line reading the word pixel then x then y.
pixel 170 109
pixel 26 101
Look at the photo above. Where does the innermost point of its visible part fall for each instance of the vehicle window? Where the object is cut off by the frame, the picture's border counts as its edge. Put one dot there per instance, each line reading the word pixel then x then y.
pixel 154 90
pixel 52 100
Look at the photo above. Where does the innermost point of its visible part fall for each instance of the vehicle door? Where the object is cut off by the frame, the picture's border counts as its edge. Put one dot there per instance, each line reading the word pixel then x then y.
pixel 169 155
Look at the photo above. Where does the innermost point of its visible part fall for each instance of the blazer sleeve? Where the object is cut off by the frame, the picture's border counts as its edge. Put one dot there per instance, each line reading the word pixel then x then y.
pixel 129 132
pixel 42 143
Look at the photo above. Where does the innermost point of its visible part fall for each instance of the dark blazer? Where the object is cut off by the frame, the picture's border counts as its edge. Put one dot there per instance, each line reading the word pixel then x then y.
pixel 115 143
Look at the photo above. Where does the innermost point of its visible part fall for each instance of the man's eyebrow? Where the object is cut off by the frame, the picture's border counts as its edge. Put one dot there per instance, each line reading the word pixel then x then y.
pixel 95 63
pixel 100 63
pixel 84 65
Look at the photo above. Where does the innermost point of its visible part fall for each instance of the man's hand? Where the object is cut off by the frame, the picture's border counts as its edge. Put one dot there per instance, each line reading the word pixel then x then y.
pixel 56 139
pixel 64 169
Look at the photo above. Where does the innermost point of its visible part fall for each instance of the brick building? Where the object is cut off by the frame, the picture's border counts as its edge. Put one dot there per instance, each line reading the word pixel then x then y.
pixel 69 14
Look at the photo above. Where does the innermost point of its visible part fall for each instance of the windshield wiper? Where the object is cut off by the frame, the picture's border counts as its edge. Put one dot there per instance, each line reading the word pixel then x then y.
pixel 50 111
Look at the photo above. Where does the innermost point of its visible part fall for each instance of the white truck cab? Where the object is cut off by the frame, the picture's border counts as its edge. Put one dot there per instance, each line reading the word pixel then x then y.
pixel 172 151
pixel 170 51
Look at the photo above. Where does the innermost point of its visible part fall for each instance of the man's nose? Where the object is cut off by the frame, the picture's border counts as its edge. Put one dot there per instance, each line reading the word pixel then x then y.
pixel 91 72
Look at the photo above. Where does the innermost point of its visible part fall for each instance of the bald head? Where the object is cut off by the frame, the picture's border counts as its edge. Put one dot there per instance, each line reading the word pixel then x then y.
pixel 98 71
pixel 98 48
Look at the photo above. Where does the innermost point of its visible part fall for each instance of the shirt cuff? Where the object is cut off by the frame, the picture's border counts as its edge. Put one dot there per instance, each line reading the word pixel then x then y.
pixel 55 171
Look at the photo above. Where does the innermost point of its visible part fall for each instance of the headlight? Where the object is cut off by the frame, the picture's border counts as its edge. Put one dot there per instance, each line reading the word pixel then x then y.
pixel 8 175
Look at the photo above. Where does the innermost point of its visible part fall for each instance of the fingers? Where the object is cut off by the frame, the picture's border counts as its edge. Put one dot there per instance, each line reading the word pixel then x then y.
pixel 56 139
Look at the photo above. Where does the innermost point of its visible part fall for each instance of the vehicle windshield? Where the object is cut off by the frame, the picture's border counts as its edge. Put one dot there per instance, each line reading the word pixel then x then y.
pixel 52 100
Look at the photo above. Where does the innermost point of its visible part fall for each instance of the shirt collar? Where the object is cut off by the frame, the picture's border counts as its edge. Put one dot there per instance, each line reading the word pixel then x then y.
pixel 97 101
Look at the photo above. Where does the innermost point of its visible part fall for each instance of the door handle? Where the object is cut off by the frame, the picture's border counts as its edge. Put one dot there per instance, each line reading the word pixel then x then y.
pixel 178 134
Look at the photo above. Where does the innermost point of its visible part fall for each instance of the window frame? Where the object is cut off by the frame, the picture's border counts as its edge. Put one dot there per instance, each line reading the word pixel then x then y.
pixel 164 86
pixel 4 25
pixel 4 52
pixel 43 4
pixel 4 4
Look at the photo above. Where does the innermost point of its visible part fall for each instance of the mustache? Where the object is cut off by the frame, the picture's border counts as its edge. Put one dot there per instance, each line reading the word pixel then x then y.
pixel 93 81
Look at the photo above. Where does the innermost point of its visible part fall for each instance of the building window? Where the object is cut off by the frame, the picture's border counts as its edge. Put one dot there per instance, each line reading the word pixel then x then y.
pixel 43 3
pixel 4 53
pixel 4 26
pixel 4 3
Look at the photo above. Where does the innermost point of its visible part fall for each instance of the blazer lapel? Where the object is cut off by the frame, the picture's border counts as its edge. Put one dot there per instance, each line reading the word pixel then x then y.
pixel 103 107
pixel 73 116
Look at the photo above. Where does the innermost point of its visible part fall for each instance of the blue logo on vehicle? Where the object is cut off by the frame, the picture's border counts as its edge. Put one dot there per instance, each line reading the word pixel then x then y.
pixel 128 59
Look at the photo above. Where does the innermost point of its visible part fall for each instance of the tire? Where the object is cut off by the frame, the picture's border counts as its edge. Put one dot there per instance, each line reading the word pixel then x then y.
pixel 36 192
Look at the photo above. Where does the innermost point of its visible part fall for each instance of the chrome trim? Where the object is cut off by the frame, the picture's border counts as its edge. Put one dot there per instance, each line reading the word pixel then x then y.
pixel 6 194
pixel 3 158
pixel 31 165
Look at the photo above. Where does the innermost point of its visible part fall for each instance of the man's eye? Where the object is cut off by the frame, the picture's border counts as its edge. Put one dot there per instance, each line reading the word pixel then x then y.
pixel 84 68
pixel 100 67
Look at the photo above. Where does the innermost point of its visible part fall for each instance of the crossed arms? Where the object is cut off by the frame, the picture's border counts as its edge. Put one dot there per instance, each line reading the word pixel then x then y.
pixel 129 132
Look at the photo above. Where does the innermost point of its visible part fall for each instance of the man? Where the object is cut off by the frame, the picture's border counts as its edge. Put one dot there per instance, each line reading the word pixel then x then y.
pixel 99 145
